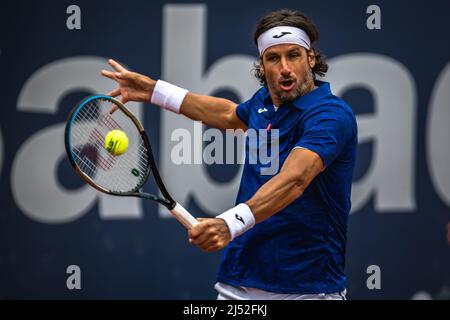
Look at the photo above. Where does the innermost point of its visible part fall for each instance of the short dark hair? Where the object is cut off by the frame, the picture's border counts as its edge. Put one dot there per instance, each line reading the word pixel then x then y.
pixel 291 18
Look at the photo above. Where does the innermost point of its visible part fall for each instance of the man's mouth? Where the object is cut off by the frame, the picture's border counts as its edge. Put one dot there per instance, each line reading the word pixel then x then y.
pixel 287 84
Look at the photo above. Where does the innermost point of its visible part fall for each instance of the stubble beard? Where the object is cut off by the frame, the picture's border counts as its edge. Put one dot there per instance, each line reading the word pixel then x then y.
pixel 301 88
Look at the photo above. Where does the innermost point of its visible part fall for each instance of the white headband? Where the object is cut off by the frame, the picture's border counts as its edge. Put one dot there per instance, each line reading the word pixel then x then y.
pixel 283 35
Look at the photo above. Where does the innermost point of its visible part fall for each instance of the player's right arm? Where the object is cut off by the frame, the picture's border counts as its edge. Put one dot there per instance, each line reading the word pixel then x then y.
pixel 214 112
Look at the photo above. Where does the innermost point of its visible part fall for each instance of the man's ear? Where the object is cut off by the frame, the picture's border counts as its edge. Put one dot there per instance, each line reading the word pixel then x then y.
pixel 261 67
pixel 311 58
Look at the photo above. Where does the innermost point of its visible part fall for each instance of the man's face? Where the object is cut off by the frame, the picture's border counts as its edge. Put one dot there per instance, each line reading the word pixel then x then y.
pixel 287 68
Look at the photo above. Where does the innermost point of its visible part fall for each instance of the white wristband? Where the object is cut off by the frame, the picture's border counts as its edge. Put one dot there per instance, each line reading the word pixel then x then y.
pixel 238 219
pixel 168 96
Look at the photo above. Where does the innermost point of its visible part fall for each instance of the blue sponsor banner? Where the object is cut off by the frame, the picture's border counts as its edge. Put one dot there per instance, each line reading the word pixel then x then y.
pixel 59 238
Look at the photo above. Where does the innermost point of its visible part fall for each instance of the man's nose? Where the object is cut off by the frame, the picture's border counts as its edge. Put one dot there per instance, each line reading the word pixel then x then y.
pixel 285 67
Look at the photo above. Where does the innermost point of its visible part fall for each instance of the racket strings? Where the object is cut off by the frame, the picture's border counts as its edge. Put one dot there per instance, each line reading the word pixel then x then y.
pixel 91 124
pixel 95 139
pixel 106 164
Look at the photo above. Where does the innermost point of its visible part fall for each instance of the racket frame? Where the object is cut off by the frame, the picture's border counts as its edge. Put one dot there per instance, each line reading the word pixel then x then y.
pixel 167 201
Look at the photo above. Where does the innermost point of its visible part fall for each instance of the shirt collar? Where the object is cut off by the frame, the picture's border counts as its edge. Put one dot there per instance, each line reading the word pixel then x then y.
pixel 310 99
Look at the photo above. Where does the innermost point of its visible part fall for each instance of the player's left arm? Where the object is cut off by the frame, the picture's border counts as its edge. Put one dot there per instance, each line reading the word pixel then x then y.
pixel 299 169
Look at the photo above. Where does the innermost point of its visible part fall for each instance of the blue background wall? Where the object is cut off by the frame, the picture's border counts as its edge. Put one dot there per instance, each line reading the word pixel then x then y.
pixel 148 256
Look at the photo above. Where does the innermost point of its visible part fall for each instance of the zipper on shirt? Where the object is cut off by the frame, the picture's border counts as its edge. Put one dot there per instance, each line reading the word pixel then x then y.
pixel 269 139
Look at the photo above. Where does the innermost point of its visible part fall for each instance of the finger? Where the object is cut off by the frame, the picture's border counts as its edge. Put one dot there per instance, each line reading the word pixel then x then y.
pixel 124 100
pixel 205 240
pixel 109 74
pixel 198 239
pixel 205 246
pixel 193 234
pixel 114 93
pixel 206 229
pixel 197 230
pixel 116 65
pixel 113 109
pixel 211 247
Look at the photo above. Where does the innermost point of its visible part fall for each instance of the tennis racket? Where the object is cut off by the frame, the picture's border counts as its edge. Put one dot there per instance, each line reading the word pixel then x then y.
pixel 123 175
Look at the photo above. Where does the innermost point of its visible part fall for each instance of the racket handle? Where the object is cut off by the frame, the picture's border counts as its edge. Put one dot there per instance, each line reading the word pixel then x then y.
pixel 183 216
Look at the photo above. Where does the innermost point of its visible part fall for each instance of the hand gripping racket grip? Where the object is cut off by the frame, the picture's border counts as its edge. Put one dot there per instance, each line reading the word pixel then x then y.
pixel 183 216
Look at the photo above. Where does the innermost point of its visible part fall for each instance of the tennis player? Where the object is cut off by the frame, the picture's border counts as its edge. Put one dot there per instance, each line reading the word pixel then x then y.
pixel 286 236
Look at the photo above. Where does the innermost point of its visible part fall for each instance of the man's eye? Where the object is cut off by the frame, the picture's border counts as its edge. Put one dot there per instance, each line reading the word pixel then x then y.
pixel 272 58
pixel 294 55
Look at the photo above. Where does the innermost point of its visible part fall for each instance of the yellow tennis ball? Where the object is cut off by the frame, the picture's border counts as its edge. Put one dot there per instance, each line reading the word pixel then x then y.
pixel 116 142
